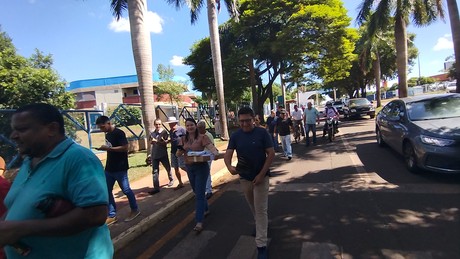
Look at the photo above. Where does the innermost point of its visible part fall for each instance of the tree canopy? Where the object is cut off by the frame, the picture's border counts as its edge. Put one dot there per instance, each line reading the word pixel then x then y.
pixel 304 40
pixel 29 80
pixel 167 85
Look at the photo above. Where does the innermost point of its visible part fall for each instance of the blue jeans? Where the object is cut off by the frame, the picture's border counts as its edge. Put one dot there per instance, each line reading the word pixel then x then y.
pixel 286 143
pixel 156 170
pixel 309 127
pixel 209 181
pixel 275 140
pixel 198 175
pixel 121 178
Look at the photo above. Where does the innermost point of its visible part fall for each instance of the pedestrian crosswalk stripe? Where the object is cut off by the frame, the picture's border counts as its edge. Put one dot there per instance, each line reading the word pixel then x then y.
pixel 245 248
pixel 191 245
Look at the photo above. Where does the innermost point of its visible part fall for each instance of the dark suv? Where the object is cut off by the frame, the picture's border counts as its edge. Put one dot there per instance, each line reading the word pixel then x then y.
pixel 358 107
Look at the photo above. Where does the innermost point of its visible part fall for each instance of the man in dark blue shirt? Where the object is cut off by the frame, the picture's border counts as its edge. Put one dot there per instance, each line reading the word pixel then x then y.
pixel 255 153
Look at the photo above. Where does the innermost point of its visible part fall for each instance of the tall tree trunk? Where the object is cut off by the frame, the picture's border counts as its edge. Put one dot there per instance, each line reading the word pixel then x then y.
pixel 376 66
pixel 217 64
pixel 283 91
pixel 142 51
pixel 252 78
pixel 455 28
pixel 401 54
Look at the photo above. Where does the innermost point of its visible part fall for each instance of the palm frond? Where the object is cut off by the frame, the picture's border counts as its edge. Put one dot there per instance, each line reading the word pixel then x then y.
pixel 232 7
pixel 364 10
pixel 178 3
pixel 118 7
pixel 195 8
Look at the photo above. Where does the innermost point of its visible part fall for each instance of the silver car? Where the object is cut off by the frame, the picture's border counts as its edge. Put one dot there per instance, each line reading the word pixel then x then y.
pixel 424 129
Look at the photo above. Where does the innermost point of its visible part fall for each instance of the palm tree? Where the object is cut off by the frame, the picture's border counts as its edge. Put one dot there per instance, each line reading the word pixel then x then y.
pixel 370 53
pixel 213 6
pixel 142 51
pixel 421 12
pixel 455 28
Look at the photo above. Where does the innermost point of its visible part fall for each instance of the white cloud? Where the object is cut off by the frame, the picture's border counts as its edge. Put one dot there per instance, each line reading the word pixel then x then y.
pixel 445 42
pixel 177 61
pixel 154 23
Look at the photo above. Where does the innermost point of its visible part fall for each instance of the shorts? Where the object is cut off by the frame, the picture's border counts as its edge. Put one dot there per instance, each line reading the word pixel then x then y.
pixel 177 161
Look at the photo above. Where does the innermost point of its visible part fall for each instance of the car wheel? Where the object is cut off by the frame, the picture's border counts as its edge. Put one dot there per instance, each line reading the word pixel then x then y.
pixel 410 158
pixel 380 140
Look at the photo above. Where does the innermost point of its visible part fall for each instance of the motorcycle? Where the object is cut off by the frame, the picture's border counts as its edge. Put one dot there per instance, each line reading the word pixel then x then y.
pixel 330 128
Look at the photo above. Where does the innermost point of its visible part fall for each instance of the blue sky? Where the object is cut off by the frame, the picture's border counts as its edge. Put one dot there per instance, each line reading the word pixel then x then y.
pixel 87 43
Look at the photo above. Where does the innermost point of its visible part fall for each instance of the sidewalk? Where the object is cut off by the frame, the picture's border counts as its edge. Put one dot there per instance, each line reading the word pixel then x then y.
pixel 156 207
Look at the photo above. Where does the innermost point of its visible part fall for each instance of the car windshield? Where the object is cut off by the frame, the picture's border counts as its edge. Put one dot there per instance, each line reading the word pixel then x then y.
pixel 356 102
pixel 435 108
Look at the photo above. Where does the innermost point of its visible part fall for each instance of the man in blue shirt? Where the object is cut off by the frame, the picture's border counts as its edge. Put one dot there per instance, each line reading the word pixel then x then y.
pixel 310 117
pixel 58 170
pixel 255 153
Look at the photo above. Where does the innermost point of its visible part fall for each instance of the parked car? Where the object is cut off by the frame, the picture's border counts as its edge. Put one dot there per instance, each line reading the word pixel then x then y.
pixel 451 87
pixel 339 106
pixel 424 129
pixel 357 107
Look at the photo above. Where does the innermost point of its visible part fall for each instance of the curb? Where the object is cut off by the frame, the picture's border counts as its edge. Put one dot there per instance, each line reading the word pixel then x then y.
pixel 135 231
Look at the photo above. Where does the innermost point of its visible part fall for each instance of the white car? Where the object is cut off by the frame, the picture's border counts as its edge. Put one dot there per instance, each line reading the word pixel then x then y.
pixel 451 87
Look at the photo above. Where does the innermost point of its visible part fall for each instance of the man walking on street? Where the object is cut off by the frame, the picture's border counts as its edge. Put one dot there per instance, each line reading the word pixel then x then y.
pixel 311 117
pixel 283 128
pixel 175 133
pixel 271 122
pixel 159 154
pixel 255 153
pixel 116 167
pixel 297 115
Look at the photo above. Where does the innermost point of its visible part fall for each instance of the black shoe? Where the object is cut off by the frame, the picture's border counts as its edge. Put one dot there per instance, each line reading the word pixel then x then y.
pixel 262 253
pixel 154 191
pixel 208 195
pixel 289 157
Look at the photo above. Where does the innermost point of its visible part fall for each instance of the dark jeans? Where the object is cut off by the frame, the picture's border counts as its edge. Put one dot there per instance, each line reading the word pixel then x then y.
pixel 156 170
pixel 312 128
pixel 198 175
pixel 121 178
pixel 275 141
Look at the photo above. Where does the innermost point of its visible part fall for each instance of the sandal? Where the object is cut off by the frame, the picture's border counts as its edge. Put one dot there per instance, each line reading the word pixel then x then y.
pixel 180 186
pixel 198 228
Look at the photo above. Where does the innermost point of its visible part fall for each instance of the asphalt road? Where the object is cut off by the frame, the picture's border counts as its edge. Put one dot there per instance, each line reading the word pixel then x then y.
pixel 345 199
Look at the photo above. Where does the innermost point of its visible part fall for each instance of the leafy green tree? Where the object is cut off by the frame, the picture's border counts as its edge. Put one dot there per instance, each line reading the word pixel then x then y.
pixel 24 81
pixel 303 40
pixel 167 85
pixel 29 80
pixel 202 76
pixel 421 12
pixel 414 81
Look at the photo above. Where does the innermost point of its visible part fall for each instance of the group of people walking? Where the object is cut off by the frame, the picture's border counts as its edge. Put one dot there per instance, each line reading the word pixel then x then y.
pixel 72 181
pixel 280 125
